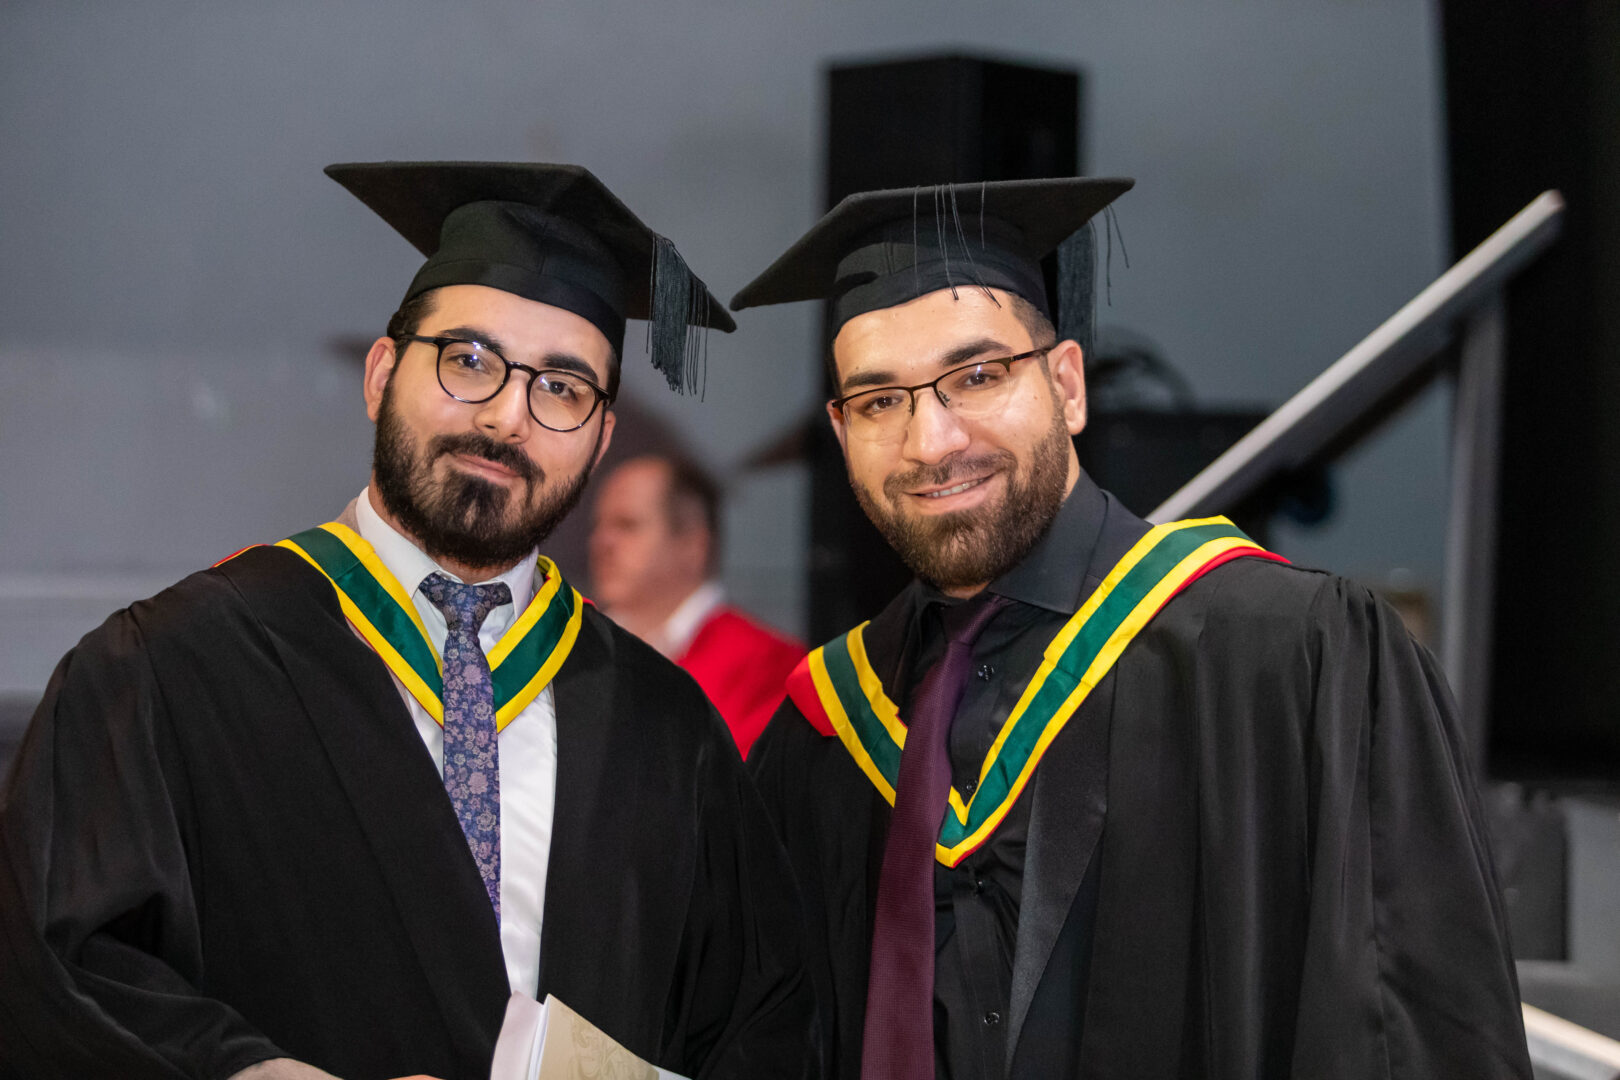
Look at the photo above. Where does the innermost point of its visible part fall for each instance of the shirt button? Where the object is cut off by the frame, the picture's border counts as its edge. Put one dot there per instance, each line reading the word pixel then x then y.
pixel 992 1018
pixel 978 885
pixel 985 671
pixel 969 787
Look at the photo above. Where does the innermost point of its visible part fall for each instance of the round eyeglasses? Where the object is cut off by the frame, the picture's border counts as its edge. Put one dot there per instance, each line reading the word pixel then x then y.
pixel 973 392
pixel 474 373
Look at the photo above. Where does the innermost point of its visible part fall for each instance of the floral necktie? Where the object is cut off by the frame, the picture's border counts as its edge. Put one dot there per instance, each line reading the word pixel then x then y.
pixel 472 770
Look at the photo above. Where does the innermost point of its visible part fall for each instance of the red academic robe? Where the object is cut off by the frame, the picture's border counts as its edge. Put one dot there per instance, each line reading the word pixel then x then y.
pixel 743 667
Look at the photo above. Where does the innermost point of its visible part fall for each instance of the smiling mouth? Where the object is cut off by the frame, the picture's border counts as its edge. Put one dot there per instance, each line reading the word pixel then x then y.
pixel 955 490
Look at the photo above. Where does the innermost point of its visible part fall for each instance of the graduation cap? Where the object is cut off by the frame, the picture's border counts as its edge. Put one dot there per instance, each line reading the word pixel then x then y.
pixel 877 249
pixel 550 233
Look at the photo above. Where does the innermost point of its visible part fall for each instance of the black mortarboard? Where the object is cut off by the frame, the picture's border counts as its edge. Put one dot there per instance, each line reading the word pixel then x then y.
pixel 551 233
pixel 877 249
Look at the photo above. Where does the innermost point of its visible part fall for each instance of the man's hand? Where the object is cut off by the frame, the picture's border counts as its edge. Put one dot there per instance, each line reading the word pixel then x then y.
pixel 288 1069
pixel 282 1069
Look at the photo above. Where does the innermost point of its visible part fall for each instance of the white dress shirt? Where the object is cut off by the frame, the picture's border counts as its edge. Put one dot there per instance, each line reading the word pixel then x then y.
pixel 687 619
pixel 528 746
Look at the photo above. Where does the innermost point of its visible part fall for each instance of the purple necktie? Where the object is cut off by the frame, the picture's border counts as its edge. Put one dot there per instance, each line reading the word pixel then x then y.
pixel 899 1040
pixel 472 764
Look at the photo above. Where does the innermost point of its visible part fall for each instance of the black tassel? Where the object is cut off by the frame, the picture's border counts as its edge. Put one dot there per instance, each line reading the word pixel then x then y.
pixel 675 349
pixel 967 249
pixel 1112 220
pixel 939 237
pixel 916 274
pixel 1076 309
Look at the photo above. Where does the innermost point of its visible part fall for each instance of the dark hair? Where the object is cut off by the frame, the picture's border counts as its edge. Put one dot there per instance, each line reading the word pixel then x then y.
pixel 408 320
pixel 693 499
pixel 1038 326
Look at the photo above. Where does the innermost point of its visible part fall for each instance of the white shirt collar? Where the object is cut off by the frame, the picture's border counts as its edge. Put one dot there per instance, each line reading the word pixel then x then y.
pixel 411 565
pixel 685 621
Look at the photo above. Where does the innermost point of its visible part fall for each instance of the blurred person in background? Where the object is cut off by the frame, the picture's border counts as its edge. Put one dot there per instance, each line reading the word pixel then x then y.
pixel 1090 797
pixel 324 808
pixel 654 565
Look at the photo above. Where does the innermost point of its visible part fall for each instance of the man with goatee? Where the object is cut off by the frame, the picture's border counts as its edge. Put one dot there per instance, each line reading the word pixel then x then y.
pixel 322 808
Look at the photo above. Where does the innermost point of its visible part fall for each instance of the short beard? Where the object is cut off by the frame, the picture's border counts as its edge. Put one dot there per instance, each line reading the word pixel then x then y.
pixel 976 546
pixel 464 518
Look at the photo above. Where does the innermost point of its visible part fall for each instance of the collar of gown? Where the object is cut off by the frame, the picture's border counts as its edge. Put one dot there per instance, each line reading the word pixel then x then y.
pixel 411 565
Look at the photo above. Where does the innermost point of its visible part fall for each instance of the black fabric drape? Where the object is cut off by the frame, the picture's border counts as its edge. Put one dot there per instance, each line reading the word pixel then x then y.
pixel 1292 878
pixel 224 841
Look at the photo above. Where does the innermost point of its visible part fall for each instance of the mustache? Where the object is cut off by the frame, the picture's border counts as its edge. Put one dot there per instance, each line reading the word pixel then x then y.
pixel 477 444
pixel 951 469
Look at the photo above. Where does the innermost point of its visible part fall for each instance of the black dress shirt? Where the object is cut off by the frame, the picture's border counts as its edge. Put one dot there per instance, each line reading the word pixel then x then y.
pixel 976 902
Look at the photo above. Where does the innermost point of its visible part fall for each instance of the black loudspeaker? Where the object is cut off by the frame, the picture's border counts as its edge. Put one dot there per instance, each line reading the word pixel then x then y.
pixel 1533 102
pixel 948 119
pixel 929 120
pixel 1143 456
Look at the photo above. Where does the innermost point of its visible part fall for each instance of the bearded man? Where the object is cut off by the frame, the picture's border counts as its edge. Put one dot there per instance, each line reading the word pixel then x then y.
pixel 322 808
pixel 1089 797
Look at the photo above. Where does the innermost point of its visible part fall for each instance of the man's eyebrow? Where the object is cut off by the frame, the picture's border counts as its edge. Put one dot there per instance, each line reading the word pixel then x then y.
pixel 561 361
pixel 472 333
pixel 962 354
pixel 868 378
pixel 555 361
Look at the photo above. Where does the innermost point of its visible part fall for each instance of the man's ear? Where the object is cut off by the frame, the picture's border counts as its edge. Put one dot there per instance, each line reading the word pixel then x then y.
pixel 380 361
pixel 610 420
pixel 836 415
pixel 1066 363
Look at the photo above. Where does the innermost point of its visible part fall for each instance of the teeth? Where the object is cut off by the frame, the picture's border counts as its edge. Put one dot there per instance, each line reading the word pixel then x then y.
pixel 952 490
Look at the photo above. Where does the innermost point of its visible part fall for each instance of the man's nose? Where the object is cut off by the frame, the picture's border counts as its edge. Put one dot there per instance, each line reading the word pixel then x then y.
pixel 505 417
pixel 934 432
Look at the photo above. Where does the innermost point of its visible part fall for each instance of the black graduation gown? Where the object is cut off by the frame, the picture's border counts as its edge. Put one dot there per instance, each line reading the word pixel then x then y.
pixel 223 841
pixel 1255 851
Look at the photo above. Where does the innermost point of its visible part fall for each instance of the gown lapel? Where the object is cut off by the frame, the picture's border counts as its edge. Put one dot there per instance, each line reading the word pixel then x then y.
pixel 397 795
pixel 1070 791
pixel 889 648
pixel 1066 822
pixel 623 871
pixel 578 876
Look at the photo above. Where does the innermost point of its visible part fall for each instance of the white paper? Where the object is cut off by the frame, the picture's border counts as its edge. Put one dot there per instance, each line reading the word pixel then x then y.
pixel 520 1049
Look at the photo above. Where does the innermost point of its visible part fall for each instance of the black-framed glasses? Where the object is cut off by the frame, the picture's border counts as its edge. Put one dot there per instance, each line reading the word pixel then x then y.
pixel 972 391
pixel 472 372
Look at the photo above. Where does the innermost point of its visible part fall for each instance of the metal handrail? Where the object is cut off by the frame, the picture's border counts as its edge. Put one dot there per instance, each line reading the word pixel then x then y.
pixel 1385 359
pixel 1566 1051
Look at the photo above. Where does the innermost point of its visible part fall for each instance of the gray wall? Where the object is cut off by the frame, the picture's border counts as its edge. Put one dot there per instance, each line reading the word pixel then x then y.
pixel 177 277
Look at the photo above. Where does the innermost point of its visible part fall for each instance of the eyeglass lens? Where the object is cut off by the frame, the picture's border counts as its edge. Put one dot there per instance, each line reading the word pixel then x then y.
pixel 972 392
pixel 557 399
